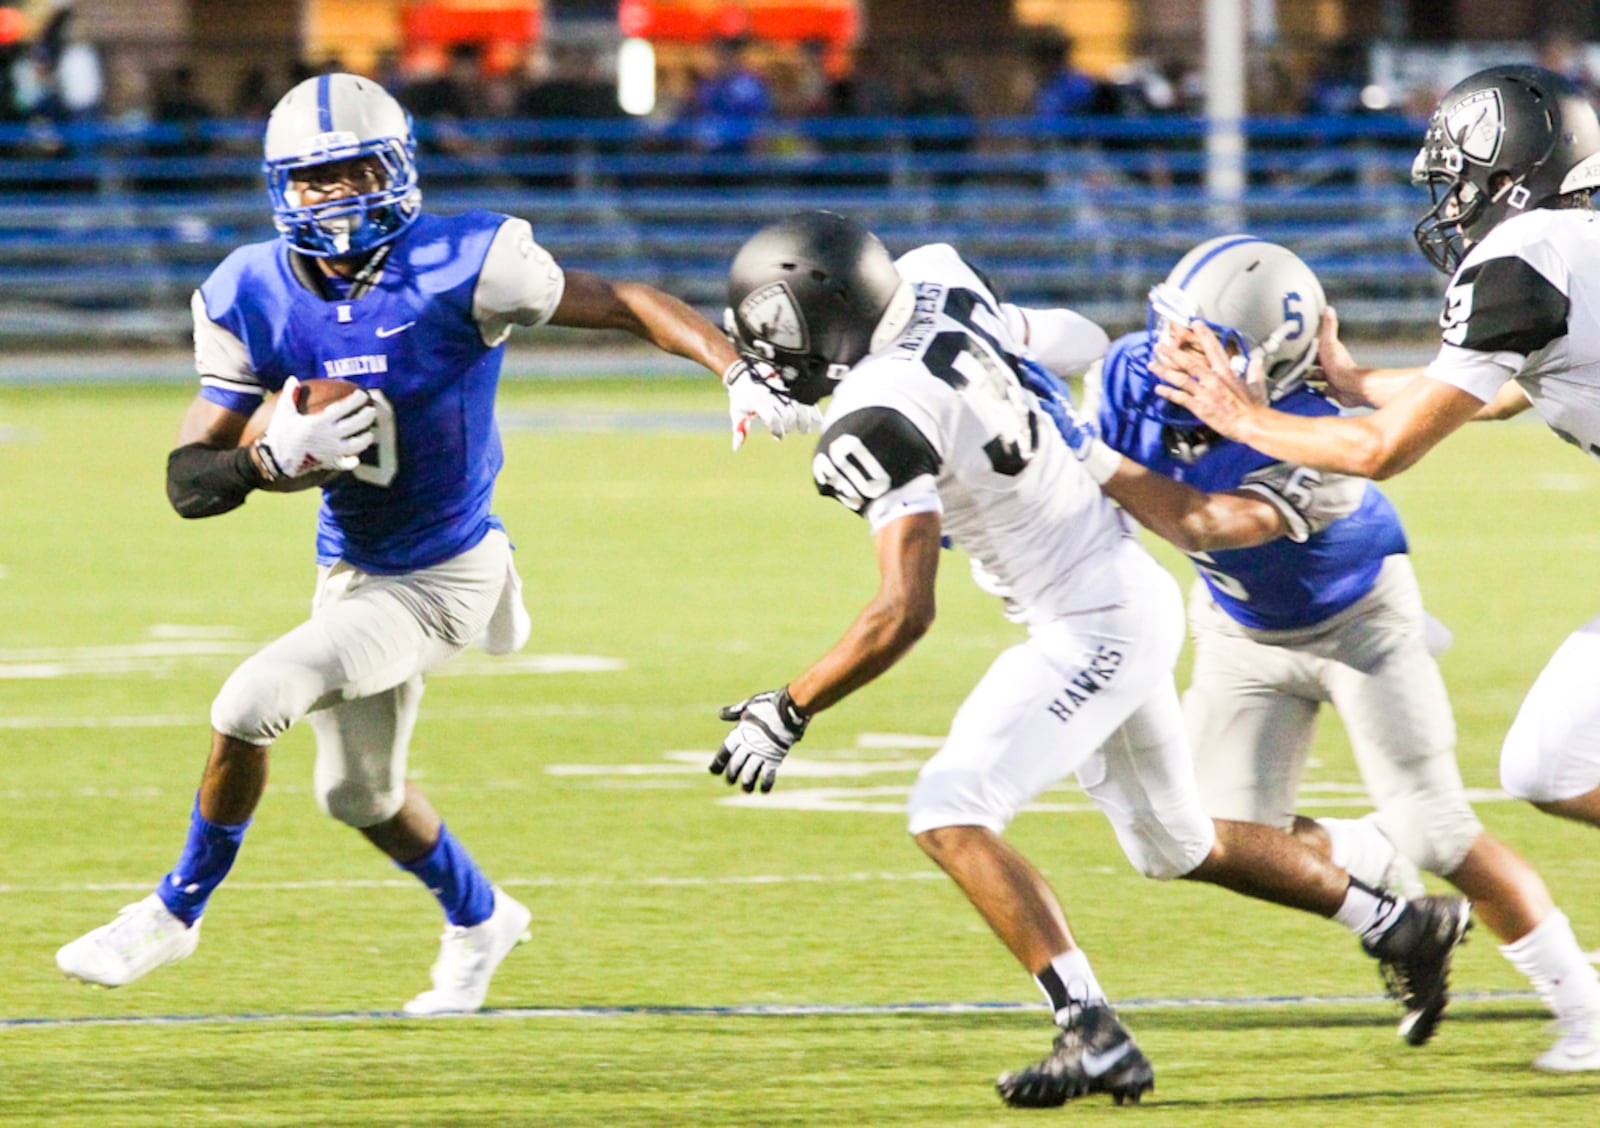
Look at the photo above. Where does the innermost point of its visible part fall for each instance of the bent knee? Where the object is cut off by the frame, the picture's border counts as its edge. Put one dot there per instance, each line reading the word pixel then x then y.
pixel 262 699
pixel 945 802
pixel 358 805
pixel 1436 836
pixel 1166 853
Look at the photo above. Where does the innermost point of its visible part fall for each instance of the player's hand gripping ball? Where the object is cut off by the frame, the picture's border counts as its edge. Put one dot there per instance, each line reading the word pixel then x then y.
pixel 325 438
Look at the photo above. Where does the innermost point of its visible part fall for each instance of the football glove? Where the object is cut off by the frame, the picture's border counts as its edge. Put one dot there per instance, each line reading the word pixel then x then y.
pixel 330 439
pixel 769 725
pixel 755 392
pixel 1082 435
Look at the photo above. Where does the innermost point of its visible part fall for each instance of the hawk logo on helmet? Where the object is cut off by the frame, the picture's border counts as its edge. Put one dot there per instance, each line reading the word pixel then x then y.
pixel 773 315
pixel 1477 125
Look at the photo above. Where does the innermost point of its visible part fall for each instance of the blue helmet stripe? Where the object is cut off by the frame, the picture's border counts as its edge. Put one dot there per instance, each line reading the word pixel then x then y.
pixel 324 103
pixel 1213 253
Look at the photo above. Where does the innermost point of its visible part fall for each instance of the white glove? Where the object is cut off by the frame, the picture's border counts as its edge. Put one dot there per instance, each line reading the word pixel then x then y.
pixel 769 725
pixel 330 439
pixel 754 392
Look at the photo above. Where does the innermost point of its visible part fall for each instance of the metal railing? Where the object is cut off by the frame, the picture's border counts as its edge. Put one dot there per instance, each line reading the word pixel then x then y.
pixel 104 230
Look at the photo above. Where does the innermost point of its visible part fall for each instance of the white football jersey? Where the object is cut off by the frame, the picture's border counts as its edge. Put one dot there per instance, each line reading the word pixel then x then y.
pixel 936 421
pixel 1525 306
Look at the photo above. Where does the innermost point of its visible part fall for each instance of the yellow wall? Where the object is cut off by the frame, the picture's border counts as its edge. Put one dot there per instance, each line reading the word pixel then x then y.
pixel 1101 29
pixel 354 30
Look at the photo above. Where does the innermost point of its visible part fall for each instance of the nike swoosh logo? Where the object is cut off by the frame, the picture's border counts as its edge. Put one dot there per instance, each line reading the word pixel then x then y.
pixel 382 332
pixel 1096 1064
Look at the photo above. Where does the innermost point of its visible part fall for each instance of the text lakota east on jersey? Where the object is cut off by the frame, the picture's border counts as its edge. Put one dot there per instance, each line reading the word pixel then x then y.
pixel 936 421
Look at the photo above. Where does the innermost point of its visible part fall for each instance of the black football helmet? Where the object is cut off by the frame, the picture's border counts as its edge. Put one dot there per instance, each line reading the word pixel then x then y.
pixel 1505 140
pixel 808 295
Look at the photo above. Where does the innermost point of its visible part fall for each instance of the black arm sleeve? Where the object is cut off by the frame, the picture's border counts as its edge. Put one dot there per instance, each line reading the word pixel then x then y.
pixel 204 481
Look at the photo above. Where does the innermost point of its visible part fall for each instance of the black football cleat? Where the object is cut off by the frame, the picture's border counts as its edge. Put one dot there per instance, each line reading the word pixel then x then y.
pixel 1094 1053
pixel 1414 959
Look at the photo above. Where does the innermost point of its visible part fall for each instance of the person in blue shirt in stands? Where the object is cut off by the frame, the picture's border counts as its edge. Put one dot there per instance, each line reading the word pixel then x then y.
pixel 414 310
pixel 1305 596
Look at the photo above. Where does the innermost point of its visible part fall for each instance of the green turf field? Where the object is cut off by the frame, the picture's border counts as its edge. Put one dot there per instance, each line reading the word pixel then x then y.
pixel 672 927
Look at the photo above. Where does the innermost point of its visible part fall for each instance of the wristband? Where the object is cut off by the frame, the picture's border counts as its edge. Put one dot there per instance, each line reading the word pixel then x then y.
pixel 1101 461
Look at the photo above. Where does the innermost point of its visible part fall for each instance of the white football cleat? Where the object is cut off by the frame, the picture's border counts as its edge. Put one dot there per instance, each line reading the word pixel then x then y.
pixel 1578 1048
pixel 144 936
pixel 468 958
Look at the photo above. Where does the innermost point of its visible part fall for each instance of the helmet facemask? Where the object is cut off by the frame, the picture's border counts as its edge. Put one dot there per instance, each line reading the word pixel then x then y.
pixel 351 224
pixel 1504 141
pixel 334 119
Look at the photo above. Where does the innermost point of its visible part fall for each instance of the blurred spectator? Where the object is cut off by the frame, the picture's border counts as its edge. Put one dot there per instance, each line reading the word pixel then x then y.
pixel 576 86
pixel 1064 90
pixel 1560 49
pixel 180 112
pixel 254 95
pixel 867 87
pixel 731 103
pixel 59 79
pixel 932 92
pixel 440 102
pixel 451 93
pixel 1336 87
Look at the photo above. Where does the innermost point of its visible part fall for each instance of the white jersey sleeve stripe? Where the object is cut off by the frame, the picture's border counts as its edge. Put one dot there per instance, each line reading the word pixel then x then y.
pixel 218 354
pixel 920 495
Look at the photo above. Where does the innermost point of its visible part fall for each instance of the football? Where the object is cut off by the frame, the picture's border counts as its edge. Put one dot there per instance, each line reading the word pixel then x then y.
pixel 312 395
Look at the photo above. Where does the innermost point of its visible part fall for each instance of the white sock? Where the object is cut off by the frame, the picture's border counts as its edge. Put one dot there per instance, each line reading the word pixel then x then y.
pixel 1069 983
pixel 1368 913
pixel 1360 848
pixel 1555 964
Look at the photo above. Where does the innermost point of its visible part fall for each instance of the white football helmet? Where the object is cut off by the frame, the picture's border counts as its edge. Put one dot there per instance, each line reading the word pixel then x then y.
pixel 339 117
pixel 1257 296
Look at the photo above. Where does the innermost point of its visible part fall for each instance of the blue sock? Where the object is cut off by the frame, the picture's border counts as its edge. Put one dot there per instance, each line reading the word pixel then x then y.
pixel 207 857
pixel 455 879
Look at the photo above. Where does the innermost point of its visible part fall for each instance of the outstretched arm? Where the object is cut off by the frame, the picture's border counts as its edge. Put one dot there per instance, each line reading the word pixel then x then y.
pixel 1192 520
pixel 591 302
pixel 767 725
pixel 1196 374
pixel 1348 383
pixel 888 627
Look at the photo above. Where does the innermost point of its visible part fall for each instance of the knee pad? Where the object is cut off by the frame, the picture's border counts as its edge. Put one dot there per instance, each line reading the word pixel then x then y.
pixel 1434 831
pixel 261 699
pixel 357 805
pixel 1166 853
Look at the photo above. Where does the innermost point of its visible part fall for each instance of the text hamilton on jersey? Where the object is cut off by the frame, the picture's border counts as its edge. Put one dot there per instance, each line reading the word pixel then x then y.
pixel 355 366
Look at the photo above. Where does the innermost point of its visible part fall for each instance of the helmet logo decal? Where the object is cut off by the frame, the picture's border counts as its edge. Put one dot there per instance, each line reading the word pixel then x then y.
pixel 1477 125
pixel 773 315
pixel 330 143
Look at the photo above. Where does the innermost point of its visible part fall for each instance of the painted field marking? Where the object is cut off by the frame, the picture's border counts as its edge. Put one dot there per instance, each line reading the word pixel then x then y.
pixel 745 1010
pixel 662 881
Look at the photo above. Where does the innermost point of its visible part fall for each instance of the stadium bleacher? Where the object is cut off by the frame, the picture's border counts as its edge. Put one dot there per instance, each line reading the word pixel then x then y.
pixel 105 230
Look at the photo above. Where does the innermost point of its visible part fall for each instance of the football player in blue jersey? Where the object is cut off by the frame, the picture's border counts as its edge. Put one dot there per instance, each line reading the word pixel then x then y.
pixel 414 308
pixel 1306 596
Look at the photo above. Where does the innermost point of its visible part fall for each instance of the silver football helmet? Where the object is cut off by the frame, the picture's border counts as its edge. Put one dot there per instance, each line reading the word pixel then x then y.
pixel 341 117
pixel 1258 297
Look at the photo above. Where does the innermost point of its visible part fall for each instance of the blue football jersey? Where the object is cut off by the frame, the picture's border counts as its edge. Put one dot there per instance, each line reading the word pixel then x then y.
pixel 423 490
pixel 1281 585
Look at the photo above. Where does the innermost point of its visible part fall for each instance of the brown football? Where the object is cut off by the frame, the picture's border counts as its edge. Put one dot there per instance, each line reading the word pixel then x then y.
pixel 312 395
